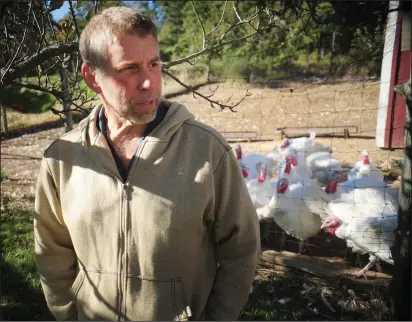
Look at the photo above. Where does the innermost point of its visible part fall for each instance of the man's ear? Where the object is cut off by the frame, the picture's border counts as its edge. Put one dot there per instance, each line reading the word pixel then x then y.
pixel 89 77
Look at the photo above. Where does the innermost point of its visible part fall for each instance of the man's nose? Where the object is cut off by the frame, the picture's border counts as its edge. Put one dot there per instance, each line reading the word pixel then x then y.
pixel 145 80
pixel 146 85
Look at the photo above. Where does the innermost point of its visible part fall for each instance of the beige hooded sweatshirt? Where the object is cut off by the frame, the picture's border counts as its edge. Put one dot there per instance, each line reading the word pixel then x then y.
pixel 178 240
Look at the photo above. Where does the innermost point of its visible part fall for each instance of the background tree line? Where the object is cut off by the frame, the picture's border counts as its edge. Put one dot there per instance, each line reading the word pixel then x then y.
pixel 251 40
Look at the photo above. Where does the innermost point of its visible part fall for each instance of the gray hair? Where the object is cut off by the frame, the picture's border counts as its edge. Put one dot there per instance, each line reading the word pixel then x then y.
pixel 101 29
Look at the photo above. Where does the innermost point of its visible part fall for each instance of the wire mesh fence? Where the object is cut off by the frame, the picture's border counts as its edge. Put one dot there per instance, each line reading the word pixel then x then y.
pixel 308 229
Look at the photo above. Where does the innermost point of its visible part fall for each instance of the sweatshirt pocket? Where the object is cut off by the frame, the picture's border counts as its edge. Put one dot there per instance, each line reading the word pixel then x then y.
pixel 151 298
pixel 96 295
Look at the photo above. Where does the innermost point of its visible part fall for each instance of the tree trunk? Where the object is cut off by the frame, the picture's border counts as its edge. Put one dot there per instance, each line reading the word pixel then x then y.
pixel 400 287
pixel 68 118
pixel 4 113
pixel 332 53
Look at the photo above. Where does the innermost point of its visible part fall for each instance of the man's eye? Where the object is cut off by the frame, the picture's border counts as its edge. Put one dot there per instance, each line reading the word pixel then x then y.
pixel 155 64
pixel 131 67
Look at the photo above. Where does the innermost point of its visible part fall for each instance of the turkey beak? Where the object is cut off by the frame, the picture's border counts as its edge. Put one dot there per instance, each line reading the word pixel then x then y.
pixel 285 144
pixel 293 161
pixel 282 186
pixel 323 225
pixel 288 166
pixel 262 176
pixel 343 176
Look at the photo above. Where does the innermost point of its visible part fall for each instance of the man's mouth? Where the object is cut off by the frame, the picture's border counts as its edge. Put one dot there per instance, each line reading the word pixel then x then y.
pixel 146 104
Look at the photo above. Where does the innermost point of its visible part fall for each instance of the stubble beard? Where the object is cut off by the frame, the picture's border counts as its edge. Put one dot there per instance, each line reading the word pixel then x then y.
pixel 131 112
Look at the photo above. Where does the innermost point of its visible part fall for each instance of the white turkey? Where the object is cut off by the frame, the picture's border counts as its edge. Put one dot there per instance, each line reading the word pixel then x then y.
pixel 275 157
pixel 294 208
pixel 248 162
pixel 324 167
pixel 373 235
pixel 344 195
pixel 278 154
pixel 367 225
pixel 335 188
pixel 260 189
pixel 306 145
pixel 294 167
pixel 365 168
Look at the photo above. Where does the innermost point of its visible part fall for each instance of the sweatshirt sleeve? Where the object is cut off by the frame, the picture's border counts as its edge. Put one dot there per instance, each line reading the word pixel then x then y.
pixel 237 240
pixel 54 253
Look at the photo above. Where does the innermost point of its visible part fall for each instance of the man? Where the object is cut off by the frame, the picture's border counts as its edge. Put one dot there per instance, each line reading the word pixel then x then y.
pixel 142 212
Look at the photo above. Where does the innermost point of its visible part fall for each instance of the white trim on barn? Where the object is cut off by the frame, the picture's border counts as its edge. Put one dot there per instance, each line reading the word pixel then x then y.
pixel 386 74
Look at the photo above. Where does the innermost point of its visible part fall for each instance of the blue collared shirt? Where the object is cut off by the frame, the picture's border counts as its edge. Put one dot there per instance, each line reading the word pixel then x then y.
pixel 102 126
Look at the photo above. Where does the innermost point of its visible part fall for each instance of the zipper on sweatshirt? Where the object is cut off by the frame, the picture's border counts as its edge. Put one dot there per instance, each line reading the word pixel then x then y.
pixel 123 237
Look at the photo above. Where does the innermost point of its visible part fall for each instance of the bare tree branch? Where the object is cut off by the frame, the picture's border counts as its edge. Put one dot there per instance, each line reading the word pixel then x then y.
pixel 7 39
pixel 214 48
pixel 220 21
pixel 45 54
pixel 57 25
pixel 81 106
pixel 20 45
pixel 212 102
pixel 74 19
pixel 53 92
pixel 236 11
pixel 41 30
pixel 233 27
pixel 201 24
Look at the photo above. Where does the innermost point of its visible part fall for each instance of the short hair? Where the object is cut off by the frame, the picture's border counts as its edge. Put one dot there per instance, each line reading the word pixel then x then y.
pixel 113 21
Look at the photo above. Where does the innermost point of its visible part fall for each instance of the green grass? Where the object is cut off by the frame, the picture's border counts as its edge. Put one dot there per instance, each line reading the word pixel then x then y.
pixel 21 294
pixel 3 176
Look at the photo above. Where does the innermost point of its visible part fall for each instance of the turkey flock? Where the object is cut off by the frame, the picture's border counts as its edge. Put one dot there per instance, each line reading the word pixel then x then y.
pixel 304 190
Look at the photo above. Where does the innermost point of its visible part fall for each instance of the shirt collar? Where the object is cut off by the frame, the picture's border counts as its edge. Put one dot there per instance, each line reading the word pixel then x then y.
pixel 160 114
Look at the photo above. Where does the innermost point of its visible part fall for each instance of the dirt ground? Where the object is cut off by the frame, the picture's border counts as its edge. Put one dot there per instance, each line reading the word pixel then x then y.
pixel 267 109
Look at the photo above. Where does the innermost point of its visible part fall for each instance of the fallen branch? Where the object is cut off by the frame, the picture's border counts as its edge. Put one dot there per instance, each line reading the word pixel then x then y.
pixel 322 267
pixel 207 98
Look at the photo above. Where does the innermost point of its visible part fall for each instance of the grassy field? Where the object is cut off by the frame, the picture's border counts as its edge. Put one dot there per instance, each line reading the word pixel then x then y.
pixel 22 297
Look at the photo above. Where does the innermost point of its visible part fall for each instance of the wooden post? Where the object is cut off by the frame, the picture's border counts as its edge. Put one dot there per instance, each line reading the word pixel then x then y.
pixel 400 287
pixel 332 54
pixel 346 133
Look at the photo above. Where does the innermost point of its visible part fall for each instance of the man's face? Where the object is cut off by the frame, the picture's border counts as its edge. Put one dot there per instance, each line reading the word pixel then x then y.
pixel 131 83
